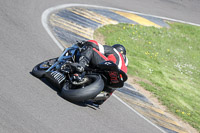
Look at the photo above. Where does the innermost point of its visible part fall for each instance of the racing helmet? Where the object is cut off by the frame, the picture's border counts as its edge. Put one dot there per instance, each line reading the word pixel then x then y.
pixel 121 49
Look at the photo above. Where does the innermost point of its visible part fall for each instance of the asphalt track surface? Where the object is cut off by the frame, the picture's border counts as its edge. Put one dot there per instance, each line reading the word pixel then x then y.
pixel 29 105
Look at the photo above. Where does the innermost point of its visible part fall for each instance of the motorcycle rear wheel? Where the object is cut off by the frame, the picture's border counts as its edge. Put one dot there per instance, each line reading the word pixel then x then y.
pixel 88 91
pixel 40 69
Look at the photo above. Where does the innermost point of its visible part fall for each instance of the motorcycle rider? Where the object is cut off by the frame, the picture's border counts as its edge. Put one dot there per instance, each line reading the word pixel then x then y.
pixel 93 53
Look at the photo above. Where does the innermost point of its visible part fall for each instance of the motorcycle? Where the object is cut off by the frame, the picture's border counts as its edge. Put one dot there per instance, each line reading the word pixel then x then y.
pixel 95 84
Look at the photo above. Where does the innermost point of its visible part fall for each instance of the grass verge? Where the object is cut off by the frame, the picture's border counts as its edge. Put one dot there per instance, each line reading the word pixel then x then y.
pixel 167 57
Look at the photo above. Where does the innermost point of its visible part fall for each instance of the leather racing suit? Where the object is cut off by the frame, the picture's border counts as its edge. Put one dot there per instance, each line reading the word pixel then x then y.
pixel 93 53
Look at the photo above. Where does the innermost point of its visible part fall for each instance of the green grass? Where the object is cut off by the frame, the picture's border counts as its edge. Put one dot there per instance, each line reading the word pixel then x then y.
pixel 167 57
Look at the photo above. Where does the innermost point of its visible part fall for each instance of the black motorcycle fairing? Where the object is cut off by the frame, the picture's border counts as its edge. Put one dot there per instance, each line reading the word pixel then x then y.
pixel 113 76
pixel 108 66
pixel 40 69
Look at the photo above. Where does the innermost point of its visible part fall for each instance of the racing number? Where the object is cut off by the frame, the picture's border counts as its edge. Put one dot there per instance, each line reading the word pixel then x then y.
pixel 113 77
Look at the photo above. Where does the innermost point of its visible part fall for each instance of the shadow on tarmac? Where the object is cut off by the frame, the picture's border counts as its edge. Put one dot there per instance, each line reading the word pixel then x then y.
pixel 81 104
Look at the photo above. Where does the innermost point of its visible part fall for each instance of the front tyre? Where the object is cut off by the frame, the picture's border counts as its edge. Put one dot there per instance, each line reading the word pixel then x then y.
pixel 87 91
pixel 40 69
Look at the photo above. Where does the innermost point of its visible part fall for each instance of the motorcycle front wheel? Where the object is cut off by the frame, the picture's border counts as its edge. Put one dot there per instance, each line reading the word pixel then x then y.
pixel 40 69
pixel 88 90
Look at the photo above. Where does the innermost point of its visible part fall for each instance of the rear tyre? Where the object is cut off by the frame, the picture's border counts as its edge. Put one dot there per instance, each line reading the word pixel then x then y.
pixel 89 90
pixel 40 69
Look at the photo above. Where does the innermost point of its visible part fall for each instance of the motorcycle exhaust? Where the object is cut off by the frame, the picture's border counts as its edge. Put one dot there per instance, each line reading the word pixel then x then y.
pixel 102 96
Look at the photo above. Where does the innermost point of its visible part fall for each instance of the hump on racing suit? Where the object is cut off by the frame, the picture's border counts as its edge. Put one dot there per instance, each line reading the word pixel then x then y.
pixel 109 53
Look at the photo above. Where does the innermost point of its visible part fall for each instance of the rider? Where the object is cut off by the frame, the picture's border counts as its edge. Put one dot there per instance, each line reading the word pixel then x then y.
pixel 94 53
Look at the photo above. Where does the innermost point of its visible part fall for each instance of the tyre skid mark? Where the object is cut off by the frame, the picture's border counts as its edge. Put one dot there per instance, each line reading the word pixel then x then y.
pixel 93 16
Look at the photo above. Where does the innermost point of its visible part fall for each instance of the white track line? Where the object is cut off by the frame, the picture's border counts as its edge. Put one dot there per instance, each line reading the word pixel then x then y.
pixel 138 113
pixel 44 20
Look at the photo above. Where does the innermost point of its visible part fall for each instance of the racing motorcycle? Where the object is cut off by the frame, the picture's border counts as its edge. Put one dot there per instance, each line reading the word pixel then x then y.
pixel 95 84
